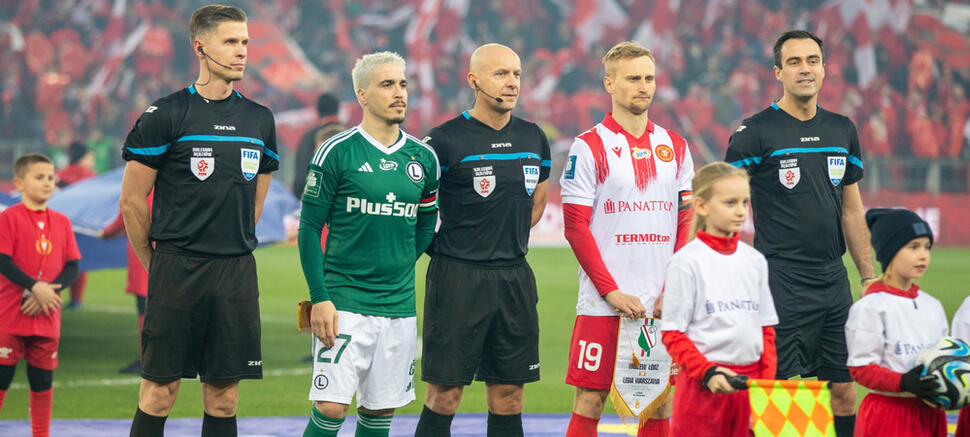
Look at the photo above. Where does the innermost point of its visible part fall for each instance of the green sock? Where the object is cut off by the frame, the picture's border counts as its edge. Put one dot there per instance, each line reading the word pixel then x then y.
pixel 322 426
pixel 372 426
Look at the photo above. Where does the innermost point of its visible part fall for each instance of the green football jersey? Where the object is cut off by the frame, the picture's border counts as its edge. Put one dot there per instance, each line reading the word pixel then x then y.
pixel 373 195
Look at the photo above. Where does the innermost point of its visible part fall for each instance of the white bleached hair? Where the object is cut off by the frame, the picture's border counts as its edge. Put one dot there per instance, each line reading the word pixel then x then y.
pixel 364 68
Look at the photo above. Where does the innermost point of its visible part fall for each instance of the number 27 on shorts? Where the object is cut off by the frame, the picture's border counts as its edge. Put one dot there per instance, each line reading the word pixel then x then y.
pixel 332 354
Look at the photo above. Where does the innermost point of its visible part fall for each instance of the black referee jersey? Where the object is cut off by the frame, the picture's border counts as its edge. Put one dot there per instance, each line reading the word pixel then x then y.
pixel 488 177
pixel 207 154
pixel 798 169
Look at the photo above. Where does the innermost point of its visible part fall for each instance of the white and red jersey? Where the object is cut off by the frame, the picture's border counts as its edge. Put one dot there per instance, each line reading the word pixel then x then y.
pixel 720 300
pixel 889 327
pixel 961 322
pixel 632 185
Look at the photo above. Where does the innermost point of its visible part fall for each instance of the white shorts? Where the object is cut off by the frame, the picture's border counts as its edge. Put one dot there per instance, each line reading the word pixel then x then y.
pixel 373 357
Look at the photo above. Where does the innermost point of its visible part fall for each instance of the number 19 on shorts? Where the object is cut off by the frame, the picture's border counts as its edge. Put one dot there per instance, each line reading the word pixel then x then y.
pixel 589 356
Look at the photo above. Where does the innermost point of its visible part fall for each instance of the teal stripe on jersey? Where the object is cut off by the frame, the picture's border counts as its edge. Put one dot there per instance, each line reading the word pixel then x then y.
pixel 501 156
pixel 228 139
pixel 781 152
pixel 220 138
pixel 746 161
pixel 856 161
pixel 150 151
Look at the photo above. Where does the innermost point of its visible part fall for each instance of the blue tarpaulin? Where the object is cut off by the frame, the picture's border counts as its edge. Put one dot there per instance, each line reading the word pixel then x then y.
pixel 92 204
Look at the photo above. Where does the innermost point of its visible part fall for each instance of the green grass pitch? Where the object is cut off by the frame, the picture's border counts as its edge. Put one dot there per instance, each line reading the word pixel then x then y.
pixel 100 339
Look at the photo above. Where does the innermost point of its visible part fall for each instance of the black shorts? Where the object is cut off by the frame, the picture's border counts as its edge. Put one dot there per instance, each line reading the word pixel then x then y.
pixel 812 302
pixel 480 322
pixel 202 318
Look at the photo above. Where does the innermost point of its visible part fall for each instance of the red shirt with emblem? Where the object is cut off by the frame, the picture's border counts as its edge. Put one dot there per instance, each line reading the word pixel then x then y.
pixel 39 243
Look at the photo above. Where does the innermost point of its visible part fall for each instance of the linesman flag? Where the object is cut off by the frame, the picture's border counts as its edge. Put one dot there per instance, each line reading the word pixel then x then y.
pixel 791 408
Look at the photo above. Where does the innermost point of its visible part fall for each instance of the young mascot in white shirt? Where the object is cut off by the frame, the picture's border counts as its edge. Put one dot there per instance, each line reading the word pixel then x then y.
pixel 718 310
pixel 889 326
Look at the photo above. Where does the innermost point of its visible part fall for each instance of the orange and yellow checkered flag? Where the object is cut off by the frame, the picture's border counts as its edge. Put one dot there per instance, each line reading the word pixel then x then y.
pixel 790 408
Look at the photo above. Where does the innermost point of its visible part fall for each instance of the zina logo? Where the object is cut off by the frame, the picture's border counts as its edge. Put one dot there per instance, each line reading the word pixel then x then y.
pixel 392 208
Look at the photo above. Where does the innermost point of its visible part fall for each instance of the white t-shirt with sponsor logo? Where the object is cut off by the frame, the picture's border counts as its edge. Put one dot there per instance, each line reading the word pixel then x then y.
pixel 720 301
pixel 632 184
pixel 891 330
pixel 961 322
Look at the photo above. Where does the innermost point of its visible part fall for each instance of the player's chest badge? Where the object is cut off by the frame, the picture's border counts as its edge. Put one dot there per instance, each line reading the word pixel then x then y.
pixel 202 163
pixel 836 166
pixel 483 180
pixel 249 163
pixel 202 167
pixel 789 173
pixel 484 185
pixel 531 173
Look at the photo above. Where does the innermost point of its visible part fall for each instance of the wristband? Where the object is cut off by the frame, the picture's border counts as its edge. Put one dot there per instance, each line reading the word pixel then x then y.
pixel 864 280
pixel 711 371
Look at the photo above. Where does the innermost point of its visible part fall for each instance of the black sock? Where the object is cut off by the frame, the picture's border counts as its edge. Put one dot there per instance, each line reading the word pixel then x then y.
pixel 844 426
pixel 146 425
pixel 213 426
pixel 432 424
pixel 6 376
pixel 509 425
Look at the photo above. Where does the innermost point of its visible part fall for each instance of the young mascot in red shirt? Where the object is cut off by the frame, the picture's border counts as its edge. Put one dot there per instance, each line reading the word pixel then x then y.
pixel 38 254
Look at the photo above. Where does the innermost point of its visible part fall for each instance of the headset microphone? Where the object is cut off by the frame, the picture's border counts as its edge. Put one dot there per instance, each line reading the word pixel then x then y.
pixel 497 99
pixel 213 60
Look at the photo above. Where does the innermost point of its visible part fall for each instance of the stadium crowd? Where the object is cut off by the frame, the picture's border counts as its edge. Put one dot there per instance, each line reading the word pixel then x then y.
pixel 71 68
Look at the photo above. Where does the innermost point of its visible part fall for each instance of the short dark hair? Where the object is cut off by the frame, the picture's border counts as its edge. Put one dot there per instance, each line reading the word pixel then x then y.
pixel 207 18
pixel 327 105
pixel 796 34
pixel 76 151
pixel 23 163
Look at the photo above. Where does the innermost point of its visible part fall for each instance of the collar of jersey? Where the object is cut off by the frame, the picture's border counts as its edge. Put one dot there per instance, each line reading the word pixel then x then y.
pixel 387 150
pixel 818 110
pixel 467 116
pixel 880 287
pixel 612 125
pixel 722 245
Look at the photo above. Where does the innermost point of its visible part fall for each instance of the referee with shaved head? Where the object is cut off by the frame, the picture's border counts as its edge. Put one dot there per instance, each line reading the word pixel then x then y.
pixel 480 319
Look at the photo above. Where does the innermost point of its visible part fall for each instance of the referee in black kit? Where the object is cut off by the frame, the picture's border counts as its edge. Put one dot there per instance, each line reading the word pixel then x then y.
pixel 480 318
pixel 805 165
pixel 208 151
